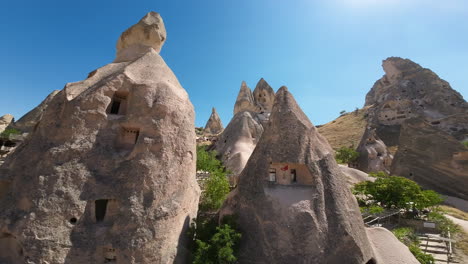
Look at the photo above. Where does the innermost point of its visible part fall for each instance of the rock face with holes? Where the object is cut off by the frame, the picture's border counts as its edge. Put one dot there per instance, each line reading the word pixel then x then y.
pixel 251 113
pixel 28 122
pixel 425 120
pixel 292 202
pixel 433 158
pixel 214 125
pixel 5 121
pixel 109 173
pixel 407 91
pixel 373 153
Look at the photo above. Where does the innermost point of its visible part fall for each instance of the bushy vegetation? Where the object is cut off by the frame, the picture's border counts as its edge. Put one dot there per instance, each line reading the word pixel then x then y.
pixel 216 187
pixel 213 244
pixel 465 143
pixel 395 192
pixel 9 131
pixel 444 224
pixel 346 155
pixel 408 237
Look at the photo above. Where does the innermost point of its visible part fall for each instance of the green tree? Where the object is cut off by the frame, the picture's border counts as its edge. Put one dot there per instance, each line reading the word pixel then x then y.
pixel 207 161
pixel 346 155
pixel 216 188
pixel 398 192
pixel 216 191
pixel 215 244
pixel 465 143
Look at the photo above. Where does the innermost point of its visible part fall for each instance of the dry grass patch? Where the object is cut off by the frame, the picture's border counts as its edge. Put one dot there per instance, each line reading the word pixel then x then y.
pixel 455 212
pixel 346 130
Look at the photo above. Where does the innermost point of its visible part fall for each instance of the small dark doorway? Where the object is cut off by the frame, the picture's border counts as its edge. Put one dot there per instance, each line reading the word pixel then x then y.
pixel 118 105
pixel 115 107
pixel 100 209
pixel 371 261
pixel 293 175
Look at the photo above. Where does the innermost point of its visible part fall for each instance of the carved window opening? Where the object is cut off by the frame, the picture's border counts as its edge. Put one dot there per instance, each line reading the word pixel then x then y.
pixel 272 175
pixel 100 207
pixel 371 261
pixel 118 105
pixel 293 175
pixel 110 256
pixel 128 137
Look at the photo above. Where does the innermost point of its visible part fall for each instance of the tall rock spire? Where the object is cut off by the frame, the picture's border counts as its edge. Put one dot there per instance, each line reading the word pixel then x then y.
pixel 292 202
pixel 214 124
pixel 109 173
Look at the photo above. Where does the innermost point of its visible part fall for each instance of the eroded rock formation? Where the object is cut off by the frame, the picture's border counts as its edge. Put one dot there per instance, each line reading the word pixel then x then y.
pixel 433 158
pixel 420 115
pixel 109 173
pixel 373 154
pixel 214 125
pixel 292 202
pixel 251 112
pixel 28 122
pixel 388 249
pixel 5 121
pixel 407 91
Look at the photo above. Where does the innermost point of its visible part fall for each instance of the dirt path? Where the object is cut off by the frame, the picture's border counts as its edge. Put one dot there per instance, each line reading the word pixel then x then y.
pixel 462 223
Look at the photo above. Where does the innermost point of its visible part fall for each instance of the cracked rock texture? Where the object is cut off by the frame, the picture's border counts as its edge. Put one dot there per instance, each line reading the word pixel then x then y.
pixel 251 113
pixel 109 173
pixel 311 219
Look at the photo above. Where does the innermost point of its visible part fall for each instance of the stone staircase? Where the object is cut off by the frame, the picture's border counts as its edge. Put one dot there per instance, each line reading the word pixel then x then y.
pixel 436 245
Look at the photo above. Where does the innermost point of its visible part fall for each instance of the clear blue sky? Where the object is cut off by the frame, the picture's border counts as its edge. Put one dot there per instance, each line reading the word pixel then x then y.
pixel 328 52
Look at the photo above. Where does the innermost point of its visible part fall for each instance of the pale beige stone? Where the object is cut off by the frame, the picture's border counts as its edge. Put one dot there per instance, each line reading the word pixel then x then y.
pixel 136 40
pixel 310 216
pixel 214 125
pixel 5 121
pixel 109 173
pixel 388 249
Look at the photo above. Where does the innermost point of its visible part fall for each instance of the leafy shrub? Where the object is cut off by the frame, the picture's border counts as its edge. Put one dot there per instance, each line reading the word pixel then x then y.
pixel 422 257
pixel 373 209
pixel 215 244
pixel 9 131
pixel 207 161
pixel 379 174
pixel 397 192
pixel 408 237
pixel 444 224
pixel 465 143
pixel 216 191
pixel 346 155
pixel 216 187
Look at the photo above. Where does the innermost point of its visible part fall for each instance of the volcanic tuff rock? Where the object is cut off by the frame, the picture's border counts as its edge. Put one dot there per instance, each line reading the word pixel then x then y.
pixel 238 141
pixel 214 125
pixel 109 174
pixel 251 112
pixel 28 122
pixel 432 158
pixel 354 176
pixel 415 111
pixel 5 121
pixel 148 33
pixel 260 101
pixel 407 91
pixel 388 249
pixel 373 154
pixel 292 202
